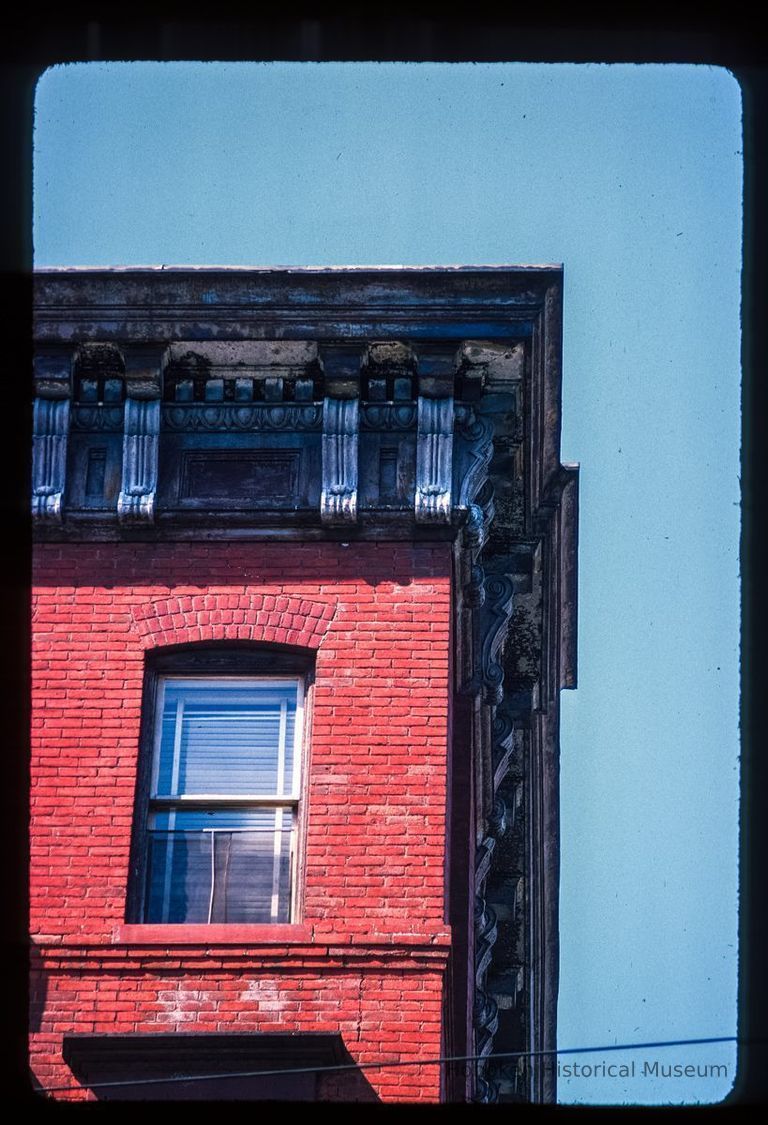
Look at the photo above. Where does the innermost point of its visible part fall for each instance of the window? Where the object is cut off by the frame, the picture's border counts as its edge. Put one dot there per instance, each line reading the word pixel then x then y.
pixel 218 839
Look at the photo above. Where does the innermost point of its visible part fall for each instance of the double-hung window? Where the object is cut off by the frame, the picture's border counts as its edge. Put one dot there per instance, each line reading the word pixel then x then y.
pixel 220 834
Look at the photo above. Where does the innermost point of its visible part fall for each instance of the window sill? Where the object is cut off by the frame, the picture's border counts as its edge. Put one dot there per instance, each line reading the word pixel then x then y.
pixel 251 948
pixel 210 934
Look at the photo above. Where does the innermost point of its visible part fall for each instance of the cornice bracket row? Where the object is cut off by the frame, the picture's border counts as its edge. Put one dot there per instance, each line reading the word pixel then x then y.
pixel 452 447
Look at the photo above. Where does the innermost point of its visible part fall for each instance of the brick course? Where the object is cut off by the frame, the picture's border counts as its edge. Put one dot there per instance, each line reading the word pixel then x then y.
pixel 373 942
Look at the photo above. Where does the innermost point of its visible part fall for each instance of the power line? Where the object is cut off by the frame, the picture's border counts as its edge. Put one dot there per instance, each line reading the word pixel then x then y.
pixel 392 1063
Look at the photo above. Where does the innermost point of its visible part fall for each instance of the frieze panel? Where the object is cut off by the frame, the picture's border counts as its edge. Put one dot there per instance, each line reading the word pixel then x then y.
pixel 239 477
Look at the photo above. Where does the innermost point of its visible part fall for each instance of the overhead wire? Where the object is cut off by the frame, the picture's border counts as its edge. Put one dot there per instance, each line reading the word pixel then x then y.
pixel 357 1066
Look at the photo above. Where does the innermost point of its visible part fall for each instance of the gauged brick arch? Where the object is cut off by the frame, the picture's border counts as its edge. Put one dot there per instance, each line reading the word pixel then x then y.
pixel 280 618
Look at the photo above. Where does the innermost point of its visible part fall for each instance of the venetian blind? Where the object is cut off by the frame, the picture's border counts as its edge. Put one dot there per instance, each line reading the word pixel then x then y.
pixel 231 737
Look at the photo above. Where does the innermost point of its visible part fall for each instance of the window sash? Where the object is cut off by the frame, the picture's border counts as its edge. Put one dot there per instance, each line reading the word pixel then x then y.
pixel 185 753
pixel 221 874
pixel 282 799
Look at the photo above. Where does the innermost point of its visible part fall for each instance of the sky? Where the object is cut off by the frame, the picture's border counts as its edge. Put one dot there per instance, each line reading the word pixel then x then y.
pixel 631 176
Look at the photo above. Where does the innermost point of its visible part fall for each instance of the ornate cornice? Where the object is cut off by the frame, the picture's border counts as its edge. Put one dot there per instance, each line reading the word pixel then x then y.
pixel 384 369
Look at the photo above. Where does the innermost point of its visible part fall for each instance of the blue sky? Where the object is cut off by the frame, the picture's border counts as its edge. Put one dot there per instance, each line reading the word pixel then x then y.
pixel 631 176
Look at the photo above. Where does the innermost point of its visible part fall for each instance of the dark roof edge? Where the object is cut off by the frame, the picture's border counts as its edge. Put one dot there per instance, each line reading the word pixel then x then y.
pixel 532 268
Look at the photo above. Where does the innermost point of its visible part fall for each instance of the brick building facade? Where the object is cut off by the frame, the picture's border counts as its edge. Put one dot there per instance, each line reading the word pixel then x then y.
pixel 308 532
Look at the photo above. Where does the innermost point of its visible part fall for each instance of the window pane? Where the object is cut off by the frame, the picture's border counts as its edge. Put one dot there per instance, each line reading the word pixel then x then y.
pixel 227 736
pixel 226 865
pixel 179 877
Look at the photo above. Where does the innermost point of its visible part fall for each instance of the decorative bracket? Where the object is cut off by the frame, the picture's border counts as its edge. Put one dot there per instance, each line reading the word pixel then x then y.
pixel 49 458
pixel 475 453
pixel 486 1011
pixel 499 590
pixel 50 434
pixel 434 455
pixel 136 502
pixel 338 498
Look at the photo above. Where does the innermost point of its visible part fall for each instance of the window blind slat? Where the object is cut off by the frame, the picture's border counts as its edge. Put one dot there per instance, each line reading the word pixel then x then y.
pixel 228 744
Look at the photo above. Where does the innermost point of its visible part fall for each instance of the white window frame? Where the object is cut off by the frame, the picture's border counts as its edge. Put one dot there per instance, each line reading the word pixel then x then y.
pixel 172 802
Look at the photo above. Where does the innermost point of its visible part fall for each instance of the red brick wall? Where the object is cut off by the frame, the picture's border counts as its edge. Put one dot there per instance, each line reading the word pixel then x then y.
pixel 368 958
